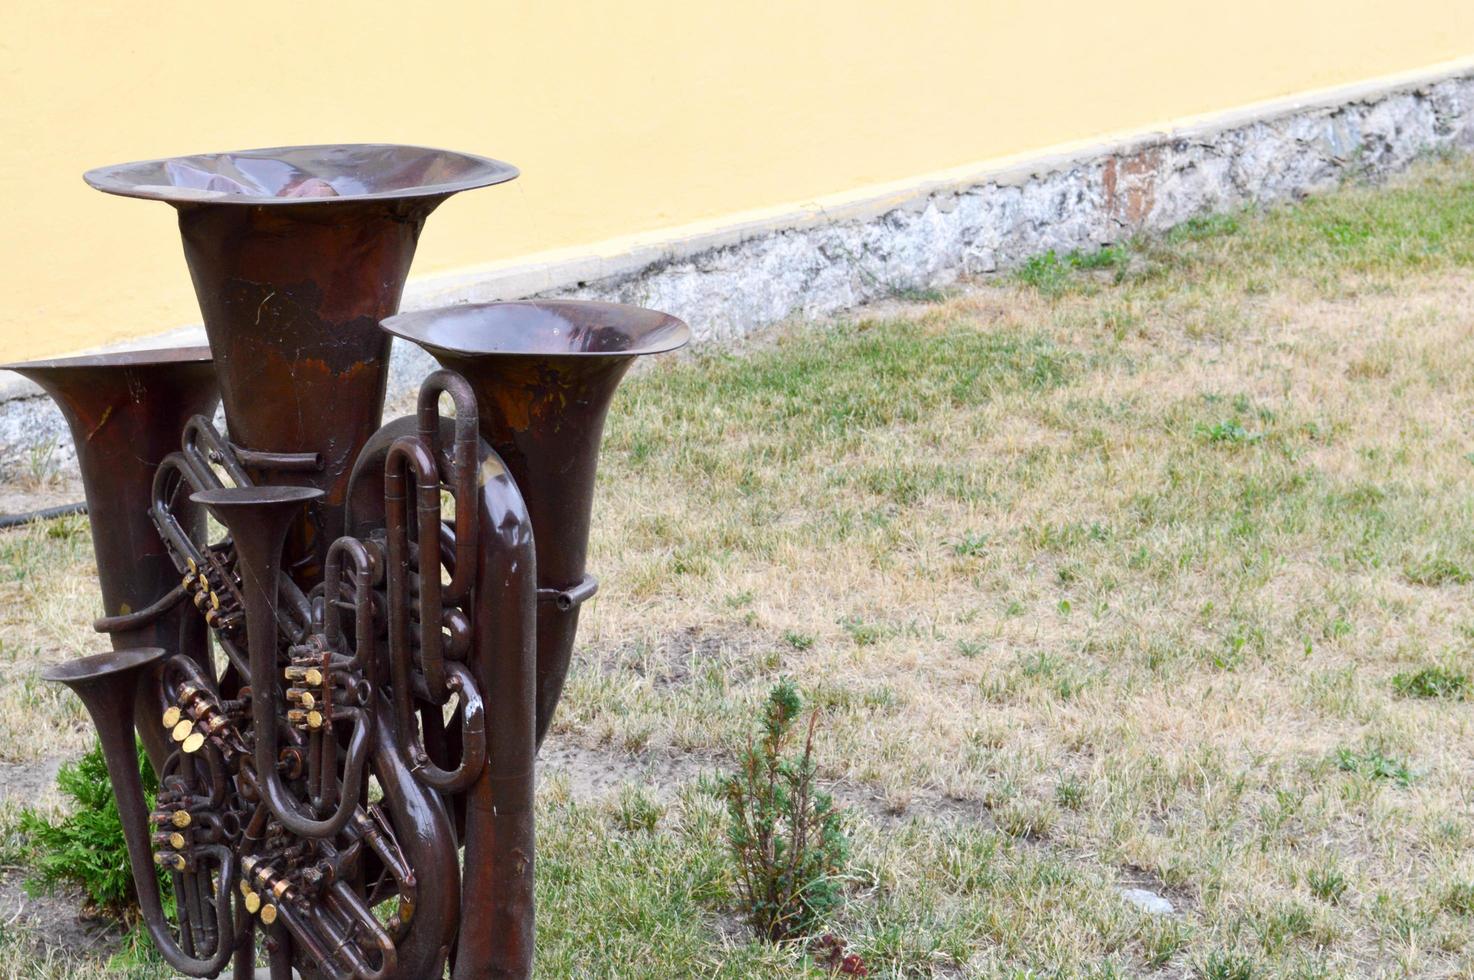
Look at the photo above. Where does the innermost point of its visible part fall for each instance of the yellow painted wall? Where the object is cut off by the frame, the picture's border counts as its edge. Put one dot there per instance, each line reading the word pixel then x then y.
pixel 624 116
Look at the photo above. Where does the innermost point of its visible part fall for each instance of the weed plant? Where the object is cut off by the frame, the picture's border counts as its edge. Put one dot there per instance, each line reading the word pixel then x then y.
pixel 785 834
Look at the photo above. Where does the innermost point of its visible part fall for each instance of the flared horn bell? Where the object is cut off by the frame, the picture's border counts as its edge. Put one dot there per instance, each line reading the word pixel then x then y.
pixel 107 685
pixel 126 412
pixel 296 254
pixel 544 374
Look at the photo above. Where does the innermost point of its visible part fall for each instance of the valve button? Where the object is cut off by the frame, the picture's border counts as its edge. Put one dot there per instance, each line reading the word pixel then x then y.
pixel 182 730
pixel 172 714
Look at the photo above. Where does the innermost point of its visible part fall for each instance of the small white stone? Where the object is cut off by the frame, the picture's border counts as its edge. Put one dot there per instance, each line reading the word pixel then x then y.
pixel 1147 901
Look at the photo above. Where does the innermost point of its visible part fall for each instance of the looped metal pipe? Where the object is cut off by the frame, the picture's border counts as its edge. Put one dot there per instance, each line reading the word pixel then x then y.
pixel 199 430
pixel 411 453
pixel 364 564
pixel 473 738
pixel 464 465
pixel 292 814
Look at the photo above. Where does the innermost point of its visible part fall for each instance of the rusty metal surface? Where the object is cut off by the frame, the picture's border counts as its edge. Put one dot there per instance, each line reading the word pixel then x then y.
pixel 544 374
pixel 291 298
pixel 369 636
pixel 125 412
pixel 107 684
pixel 292 283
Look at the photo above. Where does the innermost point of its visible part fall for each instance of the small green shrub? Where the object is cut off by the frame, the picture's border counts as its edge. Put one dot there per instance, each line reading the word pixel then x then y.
pixel 1432 682
pixel 1222 965
pixel 1373 764
pixel 1436 570
pixel 1326 884
pixel 786 835
pixel 86 847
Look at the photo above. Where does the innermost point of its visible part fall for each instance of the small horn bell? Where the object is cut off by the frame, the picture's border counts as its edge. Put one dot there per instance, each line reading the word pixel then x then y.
pixel 107 684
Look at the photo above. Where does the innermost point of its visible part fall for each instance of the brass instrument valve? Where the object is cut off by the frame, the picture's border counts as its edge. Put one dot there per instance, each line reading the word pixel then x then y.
pixel 173 860
pixel 173 837
pixel 196 717
pixel 310 695
pixel 182 730
pixel 171 817
pixel 174 840
pixel 264 888
pixel 206 587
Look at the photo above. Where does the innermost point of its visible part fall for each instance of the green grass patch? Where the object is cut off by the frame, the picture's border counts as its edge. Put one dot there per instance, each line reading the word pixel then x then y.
pixel 1432 682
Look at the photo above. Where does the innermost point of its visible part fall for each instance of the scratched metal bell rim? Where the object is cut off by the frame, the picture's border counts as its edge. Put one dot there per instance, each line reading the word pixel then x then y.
pixel 320 174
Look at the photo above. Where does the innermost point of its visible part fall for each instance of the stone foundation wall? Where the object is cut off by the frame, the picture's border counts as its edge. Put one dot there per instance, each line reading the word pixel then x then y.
pixel 1151 185
pixel 732 282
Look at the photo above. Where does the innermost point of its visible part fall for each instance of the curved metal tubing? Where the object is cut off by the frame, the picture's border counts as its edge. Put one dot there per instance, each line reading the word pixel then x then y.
pixel 258 519
pixel 107 684
pixel 427 838
pixel 415 457
pixel 473 738
pixel 462 471
pixel 543 374
pixel 406 454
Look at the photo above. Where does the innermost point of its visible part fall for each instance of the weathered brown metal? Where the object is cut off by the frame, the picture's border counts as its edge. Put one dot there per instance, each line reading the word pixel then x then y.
pixel 107 685
pixel 495 812
pixel 296 254
pixel 125 412
pixel 544 374
pixel 423 652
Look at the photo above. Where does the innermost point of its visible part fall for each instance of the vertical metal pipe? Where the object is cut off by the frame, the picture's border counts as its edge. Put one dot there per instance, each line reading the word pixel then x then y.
pixel 497 933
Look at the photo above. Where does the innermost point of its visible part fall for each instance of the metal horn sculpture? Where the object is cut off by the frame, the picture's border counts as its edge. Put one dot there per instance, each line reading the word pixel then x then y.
pixel 393 607
pixel 125 412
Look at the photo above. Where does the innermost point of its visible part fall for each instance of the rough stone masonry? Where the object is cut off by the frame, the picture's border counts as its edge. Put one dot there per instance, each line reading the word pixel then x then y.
pixel 1084 201
pixel 1083 204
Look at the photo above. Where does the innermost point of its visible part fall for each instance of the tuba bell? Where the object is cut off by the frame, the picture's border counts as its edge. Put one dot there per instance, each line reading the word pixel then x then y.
pixel 544 374
pixel 125 412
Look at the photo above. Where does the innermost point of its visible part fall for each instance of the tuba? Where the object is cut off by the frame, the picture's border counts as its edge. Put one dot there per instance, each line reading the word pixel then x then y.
pixel 344 693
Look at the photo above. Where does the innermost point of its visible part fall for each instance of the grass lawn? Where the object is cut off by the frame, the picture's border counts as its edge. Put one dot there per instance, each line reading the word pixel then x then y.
pixel 1150 568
